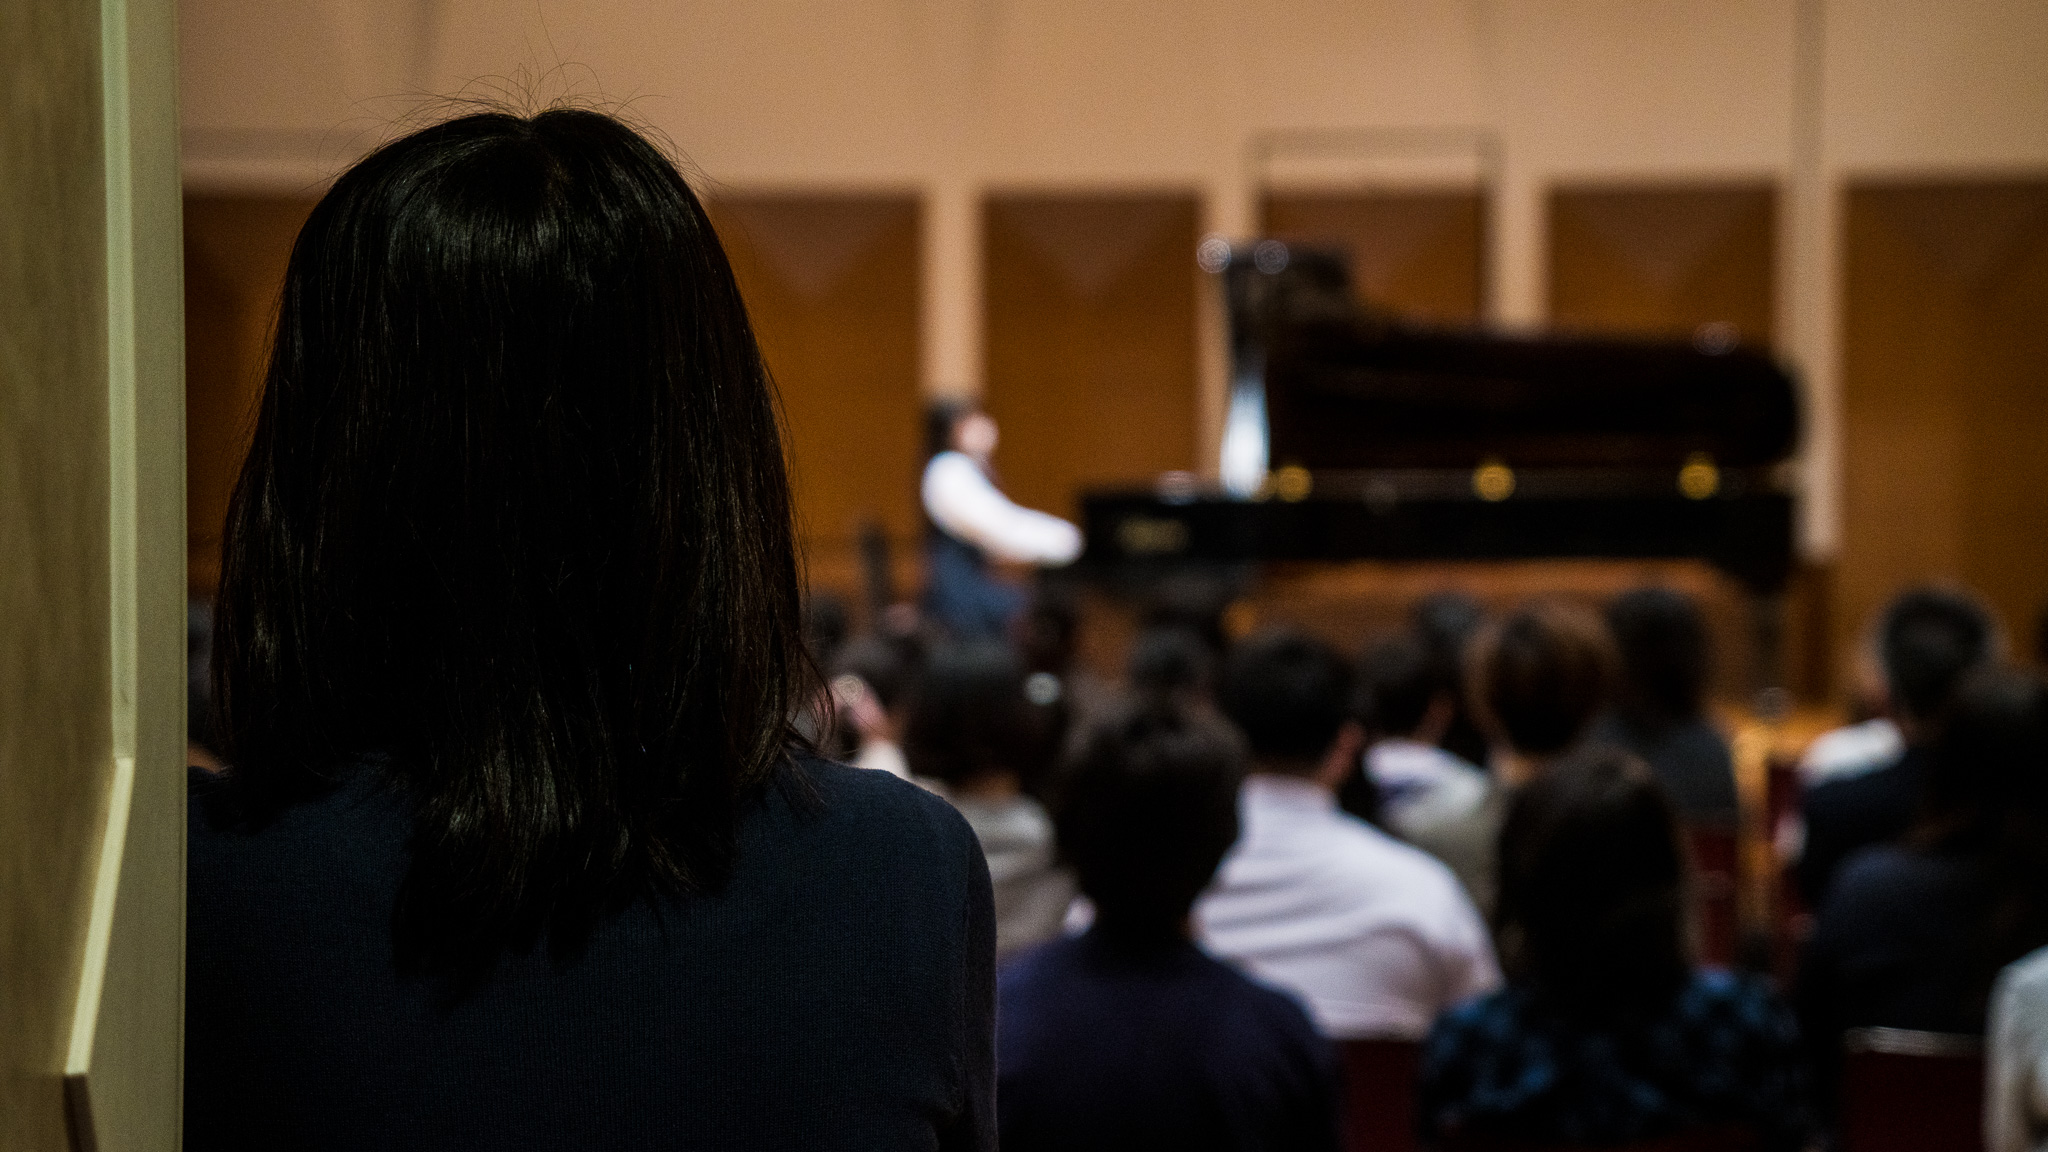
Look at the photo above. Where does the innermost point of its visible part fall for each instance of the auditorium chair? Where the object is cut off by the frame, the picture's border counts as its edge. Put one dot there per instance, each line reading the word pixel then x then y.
pixel 1912 1091
pixel 1716 858
pixel 1704 1140
pixel 1380 1079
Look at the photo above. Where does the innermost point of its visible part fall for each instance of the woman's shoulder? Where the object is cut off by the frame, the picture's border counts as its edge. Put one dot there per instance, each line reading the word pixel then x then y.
pixel 872 810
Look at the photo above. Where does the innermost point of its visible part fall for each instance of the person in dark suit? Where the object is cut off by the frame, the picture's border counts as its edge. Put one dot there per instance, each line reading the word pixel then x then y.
pixel 1659 708
pixel 1914 933
pixel 1131 1036
pixel 516 846
pixel 1928 639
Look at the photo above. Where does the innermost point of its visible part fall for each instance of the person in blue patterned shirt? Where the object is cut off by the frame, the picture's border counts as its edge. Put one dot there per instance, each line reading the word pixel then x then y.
pixel 1607 1033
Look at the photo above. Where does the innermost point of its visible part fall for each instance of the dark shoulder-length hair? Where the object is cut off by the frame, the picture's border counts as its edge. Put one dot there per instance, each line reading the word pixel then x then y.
pixel 515 525
pixel 1591 912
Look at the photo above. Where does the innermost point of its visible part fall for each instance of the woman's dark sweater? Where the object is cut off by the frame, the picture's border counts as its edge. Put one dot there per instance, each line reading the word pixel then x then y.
pixel 838 993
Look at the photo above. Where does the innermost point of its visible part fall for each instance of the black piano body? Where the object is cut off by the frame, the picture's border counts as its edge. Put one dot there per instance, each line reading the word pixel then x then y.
pixel 1385 441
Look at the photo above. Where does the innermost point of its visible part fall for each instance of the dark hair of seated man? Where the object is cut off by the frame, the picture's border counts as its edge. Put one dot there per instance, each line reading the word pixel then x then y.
pixel 1291 696
pixel 1148 810
pixel 1928 640
pixel 969 725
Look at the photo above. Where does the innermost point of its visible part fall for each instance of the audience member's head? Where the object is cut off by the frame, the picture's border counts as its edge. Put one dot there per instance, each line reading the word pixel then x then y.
pixel 1291 697
pixel 1399 691
pixel 199 678
pixel 1990 758
pixel 1537 678
pixel 515 515
pixel 827 624
pixel 1662 639
pixel 1928 639
pixel 1171 663
pixel 1148 809
pixel 1446 621
pixel 1050 629
pixel 1591 911
pixel 871 676
pixel 2041 638
pixel 969 724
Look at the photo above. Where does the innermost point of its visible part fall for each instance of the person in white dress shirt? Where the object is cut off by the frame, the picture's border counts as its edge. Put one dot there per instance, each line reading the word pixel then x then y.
pixel 1420 789
pixel 1375 936
pixel 2016 1083
pixel 973 523
pixel 970 736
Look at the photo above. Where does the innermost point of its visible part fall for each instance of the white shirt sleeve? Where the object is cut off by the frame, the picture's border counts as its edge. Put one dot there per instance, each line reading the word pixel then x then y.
pixel 961 500
pixel 2016 1088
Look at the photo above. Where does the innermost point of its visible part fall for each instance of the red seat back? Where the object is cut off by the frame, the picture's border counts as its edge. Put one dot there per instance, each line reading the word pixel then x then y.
pixel 1716 859
pixel 1703 1140
pixel 1380 1078
pixel 1912 1092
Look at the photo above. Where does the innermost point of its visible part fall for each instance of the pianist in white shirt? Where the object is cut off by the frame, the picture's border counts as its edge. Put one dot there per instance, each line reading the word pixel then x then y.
pixel 1374 936
pixel 973 522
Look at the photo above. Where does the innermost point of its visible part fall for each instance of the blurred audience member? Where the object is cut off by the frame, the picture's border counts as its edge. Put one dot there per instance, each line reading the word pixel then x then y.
pixel 1928 640
pixel 1446 622
pixel 2016 1081
pixel 971 735
pixel 1416 789
pixel 1659 703
pixel 1049 640
pixel 973 522
pixel 1172 665
pixel 871 677
pixel 1607 1033
pixel 1869 741
pixel 1913 933
pixel 1535 681
pixel 1130 1037
pixel 199 740
pixel 1374 935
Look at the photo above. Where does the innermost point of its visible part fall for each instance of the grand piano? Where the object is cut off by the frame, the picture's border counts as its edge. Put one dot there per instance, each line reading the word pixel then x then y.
pixel 1356 436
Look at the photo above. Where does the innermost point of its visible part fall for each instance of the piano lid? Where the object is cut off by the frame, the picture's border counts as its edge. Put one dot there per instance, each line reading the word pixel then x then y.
pixel 1347 389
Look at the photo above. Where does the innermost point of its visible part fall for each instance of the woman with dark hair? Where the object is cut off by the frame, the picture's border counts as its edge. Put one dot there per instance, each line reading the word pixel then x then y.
pixel 976 737
pixel 1659 708
pixel 1606 1033
pixel 972 522
pixel 516 847
pixel 1534 680
pixel 1913 934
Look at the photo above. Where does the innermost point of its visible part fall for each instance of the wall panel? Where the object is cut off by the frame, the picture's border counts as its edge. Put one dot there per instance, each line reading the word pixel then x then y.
pixel 831 283
pixel 1945 391
pixel 1663 260
pixel 236 248
pixel 1091 341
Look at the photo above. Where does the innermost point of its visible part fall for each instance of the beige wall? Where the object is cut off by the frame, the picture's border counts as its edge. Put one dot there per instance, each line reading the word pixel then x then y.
pixel 91 633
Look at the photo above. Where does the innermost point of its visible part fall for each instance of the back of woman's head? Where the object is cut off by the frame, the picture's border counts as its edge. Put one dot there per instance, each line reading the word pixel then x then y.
pixel 1662 640
pixel 515 521
pixel 1537 678
pixel 1591 910
pixel 969 717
